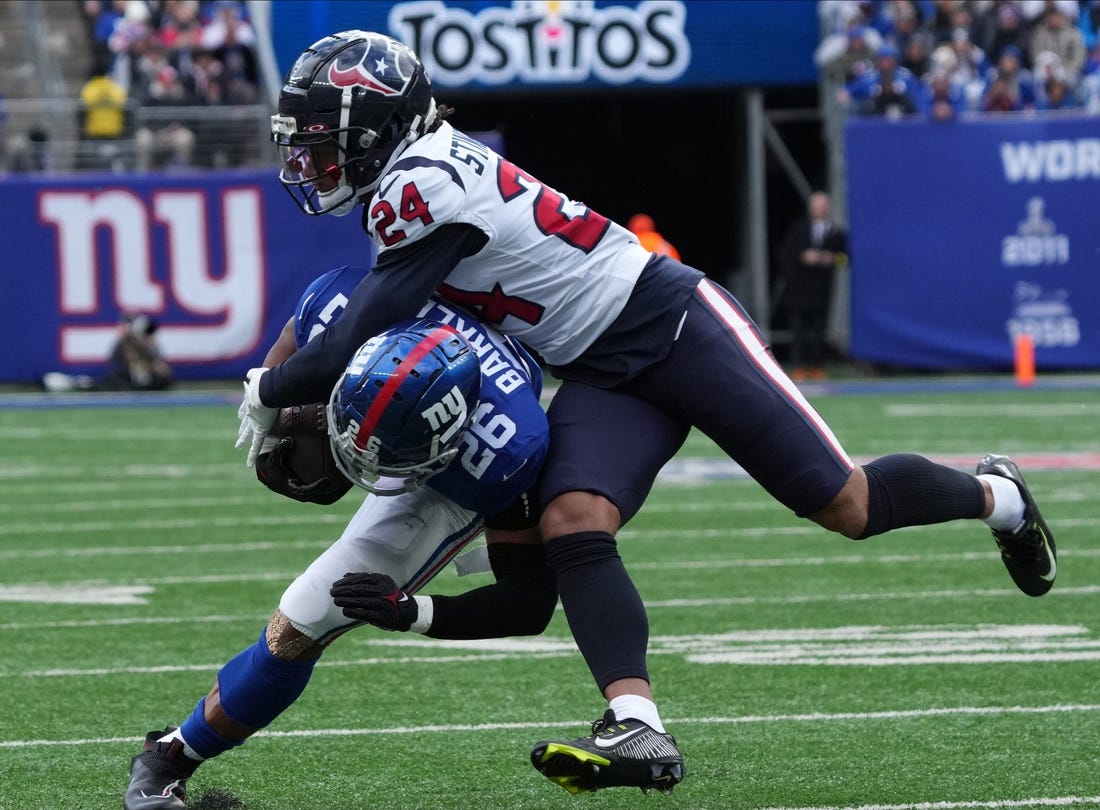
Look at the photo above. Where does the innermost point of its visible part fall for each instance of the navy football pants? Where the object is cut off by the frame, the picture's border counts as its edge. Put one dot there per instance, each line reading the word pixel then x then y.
pixel 719 377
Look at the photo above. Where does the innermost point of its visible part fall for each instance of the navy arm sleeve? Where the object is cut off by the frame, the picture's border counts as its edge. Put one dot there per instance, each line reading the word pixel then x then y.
pixel 520 603
pixel 394 290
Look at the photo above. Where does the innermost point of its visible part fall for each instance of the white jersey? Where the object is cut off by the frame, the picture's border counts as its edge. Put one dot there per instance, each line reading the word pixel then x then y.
pixel 554 273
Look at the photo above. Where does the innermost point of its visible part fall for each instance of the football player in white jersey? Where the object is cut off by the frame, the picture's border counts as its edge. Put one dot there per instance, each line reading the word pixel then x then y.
pixel 646 348
pixel 480 474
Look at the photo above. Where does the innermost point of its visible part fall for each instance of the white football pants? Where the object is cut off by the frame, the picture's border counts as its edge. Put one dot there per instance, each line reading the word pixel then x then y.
pixel 411 537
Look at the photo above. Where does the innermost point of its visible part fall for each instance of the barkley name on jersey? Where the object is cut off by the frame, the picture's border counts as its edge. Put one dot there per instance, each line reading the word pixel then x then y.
pixel 504 447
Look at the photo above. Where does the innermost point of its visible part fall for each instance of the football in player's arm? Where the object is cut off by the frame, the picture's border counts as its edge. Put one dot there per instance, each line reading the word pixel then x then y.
pixel 472 466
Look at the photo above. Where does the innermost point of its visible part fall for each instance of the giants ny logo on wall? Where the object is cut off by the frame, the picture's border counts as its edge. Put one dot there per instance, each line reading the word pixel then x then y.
pixel 107 246
pixel 546 41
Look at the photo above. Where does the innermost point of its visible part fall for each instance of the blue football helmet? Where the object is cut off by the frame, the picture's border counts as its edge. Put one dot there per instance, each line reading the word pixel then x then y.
pixel 402 406
pixel 349 103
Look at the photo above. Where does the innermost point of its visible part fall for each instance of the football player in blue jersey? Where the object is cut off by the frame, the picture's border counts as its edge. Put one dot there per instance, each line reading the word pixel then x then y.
pixel 439 420
pixel 646 347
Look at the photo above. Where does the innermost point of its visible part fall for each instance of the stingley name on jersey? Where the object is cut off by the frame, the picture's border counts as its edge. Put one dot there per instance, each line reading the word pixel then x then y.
pixel 553 273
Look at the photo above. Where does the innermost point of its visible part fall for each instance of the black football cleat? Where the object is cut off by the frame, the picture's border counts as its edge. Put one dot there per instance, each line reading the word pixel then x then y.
pixel 618 753
pixel 1029 553
pixel 159 774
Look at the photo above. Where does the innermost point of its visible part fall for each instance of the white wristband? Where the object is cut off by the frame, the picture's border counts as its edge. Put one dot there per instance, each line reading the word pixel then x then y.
pixel 424 613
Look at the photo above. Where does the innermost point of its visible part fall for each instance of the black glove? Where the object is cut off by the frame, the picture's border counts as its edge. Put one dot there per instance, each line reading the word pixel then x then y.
pixel 273 471
pixel 271 467
pixel 321 491
pixel 376 599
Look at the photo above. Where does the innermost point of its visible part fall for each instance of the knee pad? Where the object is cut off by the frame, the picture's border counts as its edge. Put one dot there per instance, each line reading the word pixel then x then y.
pixel 287 642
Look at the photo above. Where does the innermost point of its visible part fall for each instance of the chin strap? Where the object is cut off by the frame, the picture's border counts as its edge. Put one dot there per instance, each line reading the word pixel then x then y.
pixel 421 124
pixel 338 202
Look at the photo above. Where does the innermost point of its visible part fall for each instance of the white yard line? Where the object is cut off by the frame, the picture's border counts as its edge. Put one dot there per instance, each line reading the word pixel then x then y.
pixel 136 503
pixel 996 804
pixel 813 717
pixel 265 546
pixel 129 501
pixel 873 645
pixel 988 411
pixel 257 546
pixel 156 525
pixel 67 624
pixel 732 533
pixel 721 601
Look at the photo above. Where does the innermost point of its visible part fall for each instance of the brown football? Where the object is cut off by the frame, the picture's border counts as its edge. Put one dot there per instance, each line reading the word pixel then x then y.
pixel 311 459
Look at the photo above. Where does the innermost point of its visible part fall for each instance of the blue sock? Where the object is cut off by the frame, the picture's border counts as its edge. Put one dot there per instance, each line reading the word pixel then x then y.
pixel 200 738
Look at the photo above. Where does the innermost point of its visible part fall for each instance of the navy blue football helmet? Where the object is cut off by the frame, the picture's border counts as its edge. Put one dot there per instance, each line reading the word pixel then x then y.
pixel 349 102
pixel 402 406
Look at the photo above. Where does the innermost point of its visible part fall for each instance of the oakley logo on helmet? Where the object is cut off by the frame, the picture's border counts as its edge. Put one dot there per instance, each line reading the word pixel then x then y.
pixel 359 76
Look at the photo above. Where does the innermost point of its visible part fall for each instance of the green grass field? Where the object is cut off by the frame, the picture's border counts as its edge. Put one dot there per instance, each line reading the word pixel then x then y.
pixel 797 669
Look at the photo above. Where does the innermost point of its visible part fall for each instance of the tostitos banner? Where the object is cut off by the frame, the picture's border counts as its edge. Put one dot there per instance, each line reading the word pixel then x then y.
pixel 515 45
pixel 968 233
pixel 218 259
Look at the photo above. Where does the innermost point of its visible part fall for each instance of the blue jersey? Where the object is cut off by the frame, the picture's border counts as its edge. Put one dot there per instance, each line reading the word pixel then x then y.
pixel 503 450
pixel 324 301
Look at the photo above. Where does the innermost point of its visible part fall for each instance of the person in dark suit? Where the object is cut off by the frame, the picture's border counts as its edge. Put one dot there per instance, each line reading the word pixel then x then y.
pixel 810 252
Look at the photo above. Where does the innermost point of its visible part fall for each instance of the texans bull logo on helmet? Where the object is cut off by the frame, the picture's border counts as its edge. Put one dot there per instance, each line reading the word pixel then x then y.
pixel 359 75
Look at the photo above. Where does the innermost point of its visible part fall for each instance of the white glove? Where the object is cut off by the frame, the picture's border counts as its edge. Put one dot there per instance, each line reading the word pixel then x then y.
pixel 256 418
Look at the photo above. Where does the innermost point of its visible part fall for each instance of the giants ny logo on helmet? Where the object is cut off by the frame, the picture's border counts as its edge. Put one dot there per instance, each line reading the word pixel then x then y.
pixel 403 406
pixel 445 418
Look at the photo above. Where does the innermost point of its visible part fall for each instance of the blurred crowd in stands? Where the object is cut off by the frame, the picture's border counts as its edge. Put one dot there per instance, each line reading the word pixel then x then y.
pixel 941 58
pixel 168 54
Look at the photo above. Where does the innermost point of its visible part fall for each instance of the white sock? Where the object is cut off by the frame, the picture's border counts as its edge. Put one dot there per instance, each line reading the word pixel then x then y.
pixel 636 707
pixel 1008 504
pixel 188 751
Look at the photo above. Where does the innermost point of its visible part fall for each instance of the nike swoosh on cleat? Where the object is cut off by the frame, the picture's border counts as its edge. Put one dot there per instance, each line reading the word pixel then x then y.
pixel 1049 575
pixel 166 794
pixel 601 743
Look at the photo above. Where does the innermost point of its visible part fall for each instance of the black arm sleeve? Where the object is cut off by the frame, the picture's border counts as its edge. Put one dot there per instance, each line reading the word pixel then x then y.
pixel 394 290
pixel 520 603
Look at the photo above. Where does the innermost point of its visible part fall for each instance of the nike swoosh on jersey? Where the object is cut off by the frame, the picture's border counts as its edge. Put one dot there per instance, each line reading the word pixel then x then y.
pixel 389 185
pixel 512 474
